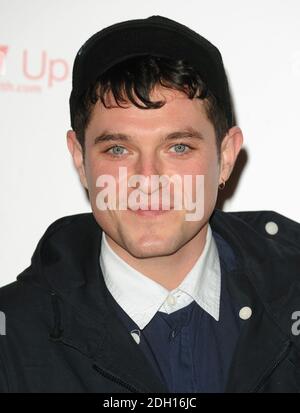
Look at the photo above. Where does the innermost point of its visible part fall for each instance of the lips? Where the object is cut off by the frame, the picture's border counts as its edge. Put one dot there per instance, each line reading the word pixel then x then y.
pixel 160 207
pixel 152 210
pixel 150 213
pixel 146 209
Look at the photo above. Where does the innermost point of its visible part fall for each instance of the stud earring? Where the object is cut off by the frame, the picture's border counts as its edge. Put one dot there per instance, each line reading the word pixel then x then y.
pixel 222 185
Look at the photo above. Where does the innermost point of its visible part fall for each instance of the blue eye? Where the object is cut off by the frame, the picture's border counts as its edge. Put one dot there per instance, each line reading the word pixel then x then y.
pixel 116 150
pixel 181 147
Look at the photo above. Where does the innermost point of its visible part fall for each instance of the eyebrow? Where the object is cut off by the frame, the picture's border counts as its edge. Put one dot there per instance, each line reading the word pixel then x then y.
pixel 187 133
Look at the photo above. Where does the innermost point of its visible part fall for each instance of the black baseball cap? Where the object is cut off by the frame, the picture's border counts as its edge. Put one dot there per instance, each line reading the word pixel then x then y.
pixel 157 36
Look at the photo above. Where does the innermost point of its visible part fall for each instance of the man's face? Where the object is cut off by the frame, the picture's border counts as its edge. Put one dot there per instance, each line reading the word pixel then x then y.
pixel 190 149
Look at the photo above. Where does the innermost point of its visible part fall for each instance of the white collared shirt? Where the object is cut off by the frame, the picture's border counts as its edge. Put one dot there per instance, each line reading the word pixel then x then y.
pixel 141 297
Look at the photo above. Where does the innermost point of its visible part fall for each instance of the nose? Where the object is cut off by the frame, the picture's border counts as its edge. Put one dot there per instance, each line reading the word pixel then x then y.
pixel 147 166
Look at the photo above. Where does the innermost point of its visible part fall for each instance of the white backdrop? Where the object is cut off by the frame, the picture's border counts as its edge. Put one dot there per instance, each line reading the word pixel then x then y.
pixel 260 44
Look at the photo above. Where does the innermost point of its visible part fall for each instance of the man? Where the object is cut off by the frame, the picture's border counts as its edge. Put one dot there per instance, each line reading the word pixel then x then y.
pixel 155 298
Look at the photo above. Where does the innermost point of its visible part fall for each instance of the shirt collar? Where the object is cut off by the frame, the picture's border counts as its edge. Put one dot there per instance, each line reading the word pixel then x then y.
pixel 141 297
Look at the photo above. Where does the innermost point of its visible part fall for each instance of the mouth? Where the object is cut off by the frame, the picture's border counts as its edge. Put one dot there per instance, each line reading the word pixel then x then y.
pixel 151 213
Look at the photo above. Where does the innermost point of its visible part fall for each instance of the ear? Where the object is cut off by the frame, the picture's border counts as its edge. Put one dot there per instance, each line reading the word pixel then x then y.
pixel 230 149
pixel 76 151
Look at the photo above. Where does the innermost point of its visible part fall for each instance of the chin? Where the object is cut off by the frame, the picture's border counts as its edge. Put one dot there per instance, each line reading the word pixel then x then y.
pixel 150 253
pixel 151 249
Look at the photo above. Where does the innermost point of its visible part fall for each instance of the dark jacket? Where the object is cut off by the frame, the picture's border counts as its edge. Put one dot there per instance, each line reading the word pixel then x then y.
pixel 63 336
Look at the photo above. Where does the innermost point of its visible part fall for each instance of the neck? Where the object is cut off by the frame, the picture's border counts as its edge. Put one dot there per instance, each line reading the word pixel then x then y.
pixel 169 271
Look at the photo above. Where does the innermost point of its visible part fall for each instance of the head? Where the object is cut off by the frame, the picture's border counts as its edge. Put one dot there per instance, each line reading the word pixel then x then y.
pixel 154 116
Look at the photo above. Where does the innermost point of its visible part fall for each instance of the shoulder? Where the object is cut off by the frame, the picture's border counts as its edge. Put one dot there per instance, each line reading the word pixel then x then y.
pixel 269 224
pixel 23 301
pixel 27 291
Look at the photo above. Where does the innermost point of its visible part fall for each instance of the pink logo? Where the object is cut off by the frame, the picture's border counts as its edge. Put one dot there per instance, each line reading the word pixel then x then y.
pixel 37 69
pixel 3 53
pixel 53 70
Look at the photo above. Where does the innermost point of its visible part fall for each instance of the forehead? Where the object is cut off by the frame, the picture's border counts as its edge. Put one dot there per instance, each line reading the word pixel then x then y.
pixel 177 112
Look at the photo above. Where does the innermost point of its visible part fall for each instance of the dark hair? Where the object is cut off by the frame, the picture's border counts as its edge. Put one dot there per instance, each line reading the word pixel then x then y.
pixel 135 78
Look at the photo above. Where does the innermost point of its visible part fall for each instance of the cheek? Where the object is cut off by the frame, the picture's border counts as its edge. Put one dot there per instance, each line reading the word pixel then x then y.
pixel 95 168
pixel 207 166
